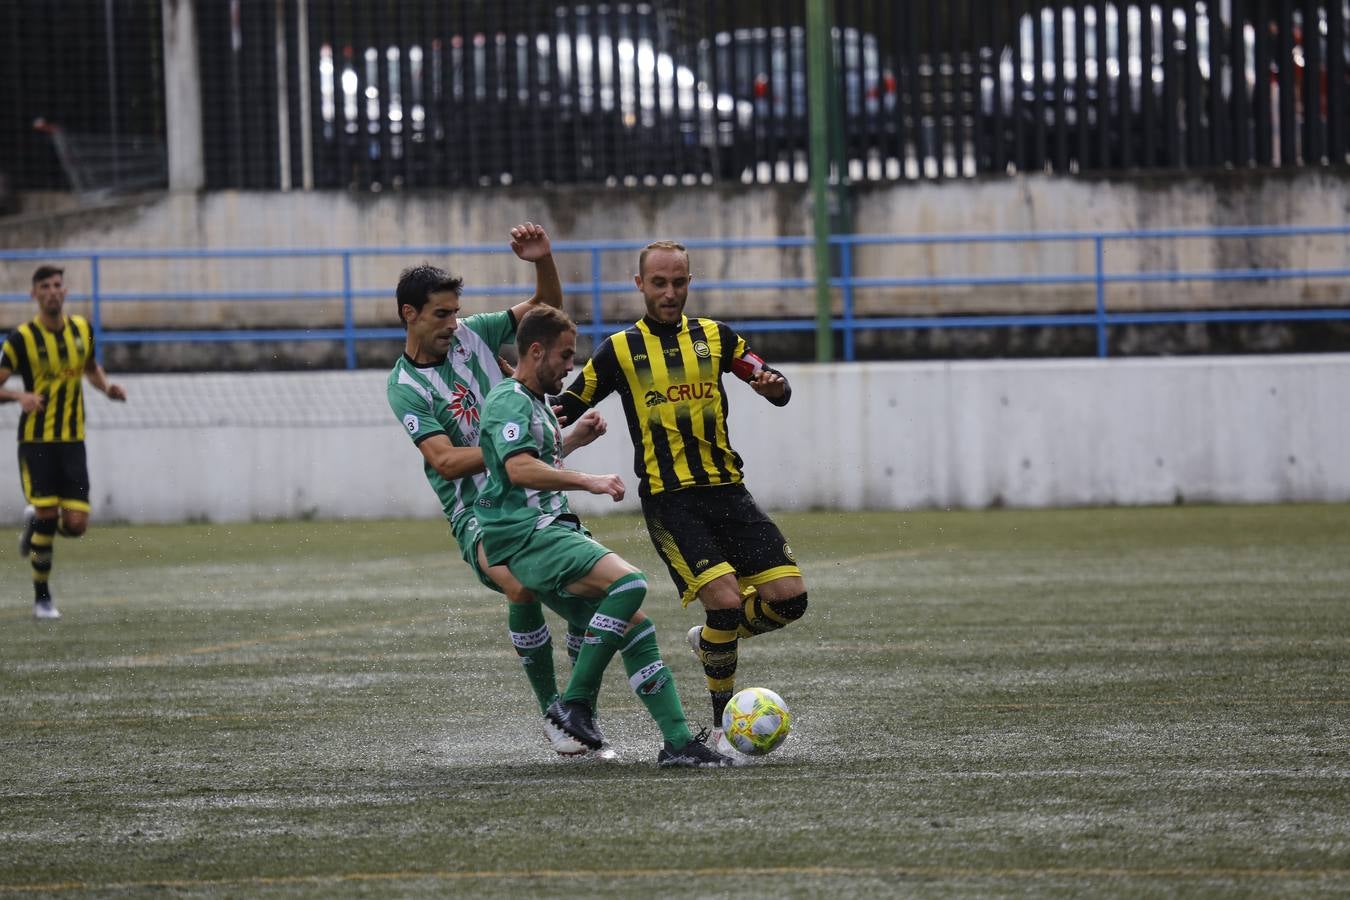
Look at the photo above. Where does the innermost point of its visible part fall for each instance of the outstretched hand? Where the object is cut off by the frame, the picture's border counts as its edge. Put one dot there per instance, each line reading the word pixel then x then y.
pixel 590 426
pixel 607 484
pixel 115 392
pixel 768 384
pixel 530 242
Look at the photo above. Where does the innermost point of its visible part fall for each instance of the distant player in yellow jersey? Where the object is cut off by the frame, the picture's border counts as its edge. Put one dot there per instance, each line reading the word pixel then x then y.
pixel 53 354
pixel 717 543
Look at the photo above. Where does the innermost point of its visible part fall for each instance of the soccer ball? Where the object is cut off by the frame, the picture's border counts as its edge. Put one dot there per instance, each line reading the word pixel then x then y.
pixel 756 721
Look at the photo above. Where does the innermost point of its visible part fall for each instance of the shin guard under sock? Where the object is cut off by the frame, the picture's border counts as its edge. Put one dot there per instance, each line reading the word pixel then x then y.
pixel 718 652
pixel 534 646
pixel 605 635
pixel 40 557
pixel 654 684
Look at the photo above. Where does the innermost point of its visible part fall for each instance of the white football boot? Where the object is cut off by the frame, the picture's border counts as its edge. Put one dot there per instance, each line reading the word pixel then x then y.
pixel 569 747
pixel 718 741
pixel 695 634
pixel 563 743
pixel 45 609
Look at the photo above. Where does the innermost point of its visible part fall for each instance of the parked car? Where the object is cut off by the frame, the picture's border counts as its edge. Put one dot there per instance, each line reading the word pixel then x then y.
pixel 1114 68
pixel 759 79
pixel 602 94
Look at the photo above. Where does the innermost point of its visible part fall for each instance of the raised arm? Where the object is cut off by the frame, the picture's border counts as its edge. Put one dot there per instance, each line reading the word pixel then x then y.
pixel 530 242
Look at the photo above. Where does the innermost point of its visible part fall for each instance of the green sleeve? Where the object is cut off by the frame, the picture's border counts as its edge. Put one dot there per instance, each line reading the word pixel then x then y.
pixel 495 328
pixel 505 425
pixel 413 409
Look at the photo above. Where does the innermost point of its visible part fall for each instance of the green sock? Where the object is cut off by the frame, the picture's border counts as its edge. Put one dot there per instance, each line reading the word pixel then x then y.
pixel 575 635
pixel 534 646
pixel 654 684
pixel 605 635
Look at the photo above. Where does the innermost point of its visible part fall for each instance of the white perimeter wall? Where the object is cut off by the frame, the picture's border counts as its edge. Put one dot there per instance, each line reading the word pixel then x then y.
pixel 863 436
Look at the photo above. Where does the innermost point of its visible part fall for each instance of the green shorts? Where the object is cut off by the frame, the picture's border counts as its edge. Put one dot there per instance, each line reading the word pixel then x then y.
pixel 573 610
pixel 468 535
pixel 553 558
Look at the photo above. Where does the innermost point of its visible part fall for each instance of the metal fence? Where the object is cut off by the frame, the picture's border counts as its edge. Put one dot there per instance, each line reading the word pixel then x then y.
pixel 392 94
pixel 1091 290
pixel 83 86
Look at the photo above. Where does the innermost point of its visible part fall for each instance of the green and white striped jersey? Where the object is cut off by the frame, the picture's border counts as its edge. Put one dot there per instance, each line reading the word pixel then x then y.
pixel 447 398
pixel 516 420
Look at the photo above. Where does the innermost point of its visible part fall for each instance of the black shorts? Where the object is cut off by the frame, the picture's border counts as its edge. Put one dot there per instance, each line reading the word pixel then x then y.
pixel 703 533
pixel 54 474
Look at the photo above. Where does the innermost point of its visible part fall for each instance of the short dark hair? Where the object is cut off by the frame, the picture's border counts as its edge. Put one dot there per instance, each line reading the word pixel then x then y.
pixel 45 272
pixel 660 245
pixel 417 283
pixel 542 325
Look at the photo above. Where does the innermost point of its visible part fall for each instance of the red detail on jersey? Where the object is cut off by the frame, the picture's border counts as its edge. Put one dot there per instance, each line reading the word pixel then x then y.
pixel 747 366
pixel 463 405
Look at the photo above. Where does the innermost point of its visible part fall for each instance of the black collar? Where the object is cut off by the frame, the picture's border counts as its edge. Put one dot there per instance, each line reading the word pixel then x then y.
pixel 431 365
pixel 656 327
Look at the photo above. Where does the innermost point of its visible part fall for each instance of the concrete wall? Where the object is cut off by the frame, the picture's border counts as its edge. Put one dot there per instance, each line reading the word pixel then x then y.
pixel 880 436
pixel 329 219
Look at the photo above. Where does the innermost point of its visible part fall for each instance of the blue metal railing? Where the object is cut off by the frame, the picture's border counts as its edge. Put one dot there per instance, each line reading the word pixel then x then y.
pixel 847 283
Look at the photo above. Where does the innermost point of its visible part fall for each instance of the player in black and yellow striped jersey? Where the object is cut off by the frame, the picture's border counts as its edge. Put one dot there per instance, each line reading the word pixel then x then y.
pixel 717 543
pixel 53 354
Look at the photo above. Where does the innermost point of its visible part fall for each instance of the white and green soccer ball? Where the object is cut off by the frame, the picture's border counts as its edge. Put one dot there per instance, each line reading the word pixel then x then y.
pixel 756 721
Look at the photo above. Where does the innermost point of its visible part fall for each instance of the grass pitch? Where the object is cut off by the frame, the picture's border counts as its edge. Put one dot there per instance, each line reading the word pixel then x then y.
pixel 1125 702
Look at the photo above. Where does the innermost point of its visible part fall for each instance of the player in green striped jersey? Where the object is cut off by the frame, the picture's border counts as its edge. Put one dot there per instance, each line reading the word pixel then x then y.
pixel 436 389
pixel 528 527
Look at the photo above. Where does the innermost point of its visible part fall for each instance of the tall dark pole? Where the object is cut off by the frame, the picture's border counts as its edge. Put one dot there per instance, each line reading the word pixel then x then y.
pixel 110 42
pixel 818 87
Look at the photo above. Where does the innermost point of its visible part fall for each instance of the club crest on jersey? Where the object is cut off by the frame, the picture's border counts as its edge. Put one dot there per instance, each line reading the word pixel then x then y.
pixel 412 423
pixel 510 431
pixel 461 351
pixel 655 398
pixel 701 349
pixel 463 404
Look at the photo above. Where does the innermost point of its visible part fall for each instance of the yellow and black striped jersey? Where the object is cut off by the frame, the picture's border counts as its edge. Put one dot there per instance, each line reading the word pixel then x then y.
pixel 51 363
pixel 670 380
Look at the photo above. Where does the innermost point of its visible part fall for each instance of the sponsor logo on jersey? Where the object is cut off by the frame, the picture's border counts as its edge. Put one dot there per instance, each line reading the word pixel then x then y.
pixel 704 390
pixel 701 348
pixel 463 404
pixel 787 551
pixel 411 423
pixel 654 398
pixel 701 564
pixel 639 357
pixel 510 431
